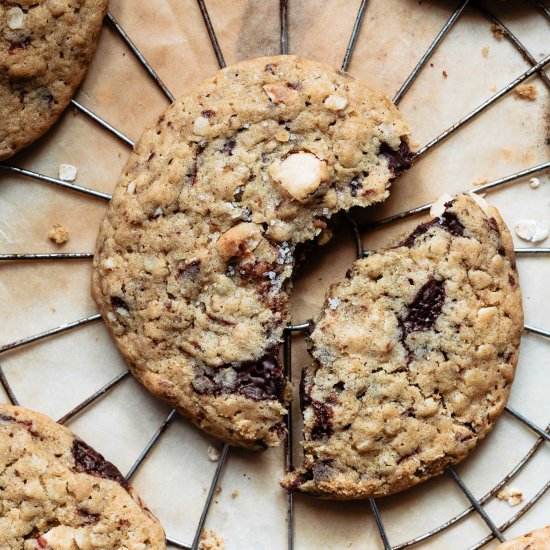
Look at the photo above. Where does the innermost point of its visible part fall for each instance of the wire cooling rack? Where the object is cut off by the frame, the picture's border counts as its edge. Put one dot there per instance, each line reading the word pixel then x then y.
pixel 495 532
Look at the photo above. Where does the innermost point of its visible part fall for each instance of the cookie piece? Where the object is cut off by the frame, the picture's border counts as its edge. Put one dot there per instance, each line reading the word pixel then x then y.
pixel 539 539
pixel 414 356
pixel 45 49
pixel 195 255
pixel 58 493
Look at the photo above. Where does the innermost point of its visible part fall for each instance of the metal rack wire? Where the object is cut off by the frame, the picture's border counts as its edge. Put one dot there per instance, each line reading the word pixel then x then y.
pixel 543 434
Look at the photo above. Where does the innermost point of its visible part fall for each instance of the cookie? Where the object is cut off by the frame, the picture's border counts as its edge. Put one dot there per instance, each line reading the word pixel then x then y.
pixel 414 355
pixel 539 539
pixel 57 493
pixel 45 49
pixel 194 258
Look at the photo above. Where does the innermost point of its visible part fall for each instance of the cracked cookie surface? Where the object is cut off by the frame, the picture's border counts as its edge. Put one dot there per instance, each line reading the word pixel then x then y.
pixel 539 539
pixel 414 356
pixel 57 493
pixel 194 258
pixel 45 49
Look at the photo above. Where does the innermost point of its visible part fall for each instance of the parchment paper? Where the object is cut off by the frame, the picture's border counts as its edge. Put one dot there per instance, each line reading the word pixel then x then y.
pixel 54 375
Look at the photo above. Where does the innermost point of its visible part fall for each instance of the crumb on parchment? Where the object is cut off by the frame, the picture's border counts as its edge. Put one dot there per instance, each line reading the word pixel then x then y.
pixel 512 495
pixel 234 493
pixel 58 234
pixel 67 172
pixel 211 541
pixel 526 91
pixel 485 51
pixel 498 33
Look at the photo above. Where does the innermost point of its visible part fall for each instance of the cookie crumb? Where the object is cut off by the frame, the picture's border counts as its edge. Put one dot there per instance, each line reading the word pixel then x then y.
pixel 67 172
pixel 211 541
pixel 531 230
pixel 444 73
pixel 481 181
pixel 53 309
pixel 498 33
pixel 58 234
pixel 234 493
pixel 534 183
pixel 213 453
pixel 526 91
pixel 485 51
pixel 511 495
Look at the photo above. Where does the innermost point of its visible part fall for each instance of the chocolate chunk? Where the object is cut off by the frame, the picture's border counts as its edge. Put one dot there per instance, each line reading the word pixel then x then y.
pixel 117 302
pixel 18 44
pixel 398 161
pixel 322 470
pixel 426 307
pixel 305 397
pixel 228 147
pixel 270 68
pixel 88 517
pixel 27 423
pixel 293 85
pixel 448 221
pixel 323 421
pixel 208 113
pixel 301 479
pixel 355 185
pixel 451 223
pixel 260 379
pixel 89 461
pixel 192 174
pixel 418 231
pixel 188 269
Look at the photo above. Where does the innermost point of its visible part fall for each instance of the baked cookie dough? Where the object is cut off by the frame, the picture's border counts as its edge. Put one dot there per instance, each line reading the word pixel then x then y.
pixel 414 355
pixel 57 493
pixel 194 258
pixel 539 539
pixel 45 49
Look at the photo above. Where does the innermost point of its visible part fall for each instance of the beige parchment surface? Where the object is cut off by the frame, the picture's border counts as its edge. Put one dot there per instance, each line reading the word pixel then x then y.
pixel 54 375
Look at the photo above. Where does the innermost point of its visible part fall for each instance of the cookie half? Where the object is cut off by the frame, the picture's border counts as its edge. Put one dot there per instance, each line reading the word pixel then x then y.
pixel 415 353
pixel 45 49
pixel 56 492
pixel 539 539
pixel 195 255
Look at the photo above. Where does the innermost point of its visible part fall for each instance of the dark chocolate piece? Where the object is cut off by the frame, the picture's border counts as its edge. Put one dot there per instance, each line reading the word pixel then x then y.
pixel 426 307
pixel 448 221
pixel 89 461
pixel 188 269
pixel 400 160
pixel 323 421
pixel 228 147
pixel 117 302
pixel 260 379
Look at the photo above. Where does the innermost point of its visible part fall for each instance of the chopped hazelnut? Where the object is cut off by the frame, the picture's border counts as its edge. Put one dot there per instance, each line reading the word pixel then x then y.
pixel 335 102
pixel 230 243
pixel 300 174
pixel 16 18
pixel 531 230
pixel 201 126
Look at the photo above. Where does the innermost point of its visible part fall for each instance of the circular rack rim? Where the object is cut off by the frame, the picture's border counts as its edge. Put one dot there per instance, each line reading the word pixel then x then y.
pixel 543 434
